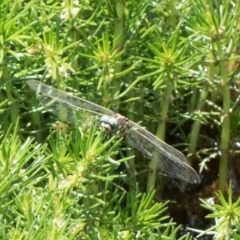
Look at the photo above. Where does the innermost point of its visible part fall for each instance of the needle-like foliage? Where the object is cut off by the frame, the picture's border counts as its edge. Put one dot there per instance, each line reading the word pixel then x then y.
pixel 171 65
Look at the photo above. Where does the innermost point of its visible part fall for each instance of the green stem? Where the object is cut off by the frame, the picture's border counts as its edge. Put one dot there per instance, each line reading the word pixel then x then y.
pixel 225 136
pixel 193 100
pixel 118 40
pixel 14 109
pixel 36 120
pixel 196 125
pixel 119 43
pixel 172 19
pixel 161 129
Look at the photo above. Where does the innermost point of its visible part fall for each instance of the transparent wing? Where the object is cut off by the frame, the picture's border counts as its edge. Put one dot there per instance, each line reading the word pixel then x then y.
pixel 68 108
pixel 64 97
pixel 169 160
pixel 68 113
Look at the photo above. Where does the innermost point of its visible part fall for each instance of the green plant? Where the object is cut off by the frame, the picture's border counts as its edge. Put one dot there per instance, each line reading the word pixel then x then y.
pixel 226 216
pixel 171 65
pixel 69 188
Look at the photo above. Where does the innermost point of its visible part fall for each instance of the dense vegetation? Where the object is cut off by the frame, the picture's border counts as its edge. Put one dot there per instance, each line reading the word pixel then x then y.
pixel 171 65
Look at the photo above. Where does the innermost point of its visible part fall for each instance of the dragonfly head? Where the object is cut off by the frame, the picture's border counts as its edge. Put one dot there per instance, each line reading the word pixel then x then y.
pixel 113 124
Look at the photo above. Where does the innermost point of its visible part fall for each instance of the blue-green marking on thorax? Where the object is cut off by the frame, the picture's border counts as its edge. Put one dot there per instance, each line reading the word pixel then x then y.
pixel 113 123
pixel 111 120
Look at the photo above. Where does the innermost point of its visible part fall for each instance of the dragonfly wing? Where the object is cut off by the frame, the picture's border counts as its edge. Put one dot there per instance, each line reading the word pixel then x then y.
pixel 64 97
pixel 68 113
pixel 169 160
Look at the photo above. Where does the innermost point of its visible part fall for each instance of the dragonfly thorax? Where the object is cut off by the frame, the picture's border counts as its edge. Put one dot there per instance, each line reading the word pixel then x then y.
pixel 115 123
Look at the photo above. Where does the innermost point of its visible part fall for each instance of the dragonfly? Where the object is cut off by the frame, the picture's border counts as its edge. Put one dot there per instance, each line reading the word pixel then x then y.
pixel 169 160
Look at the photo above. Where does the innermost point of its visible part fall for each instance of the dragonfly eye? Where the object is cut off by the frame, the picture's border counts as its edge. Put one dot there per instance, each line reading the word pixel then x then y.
pixel 114 123
pixel 108 127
